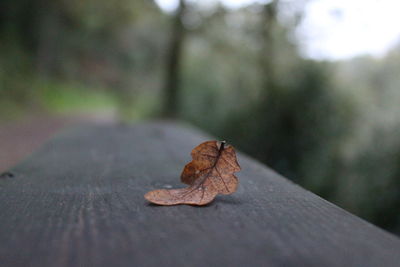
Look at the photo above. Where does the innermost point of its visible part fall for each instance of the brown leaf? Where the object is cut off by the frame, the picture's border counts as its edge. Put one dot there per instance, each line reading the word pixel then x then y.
pixel 211 172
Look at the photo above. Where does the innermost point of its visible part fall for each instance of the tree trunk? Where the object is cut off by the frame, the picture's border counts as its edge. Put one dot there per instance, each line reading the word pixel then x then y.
pixel 173 64
pixel 268 50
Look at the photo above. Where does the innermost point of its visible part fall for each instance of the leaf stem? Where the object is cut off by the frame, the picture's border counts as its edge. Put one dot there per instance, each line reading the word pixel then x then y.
pixel 222 146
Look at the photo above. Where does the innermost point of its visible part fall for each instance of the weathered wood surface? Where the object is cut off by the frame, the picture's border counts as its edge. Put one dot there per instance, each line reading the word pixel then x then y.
pixel 78 201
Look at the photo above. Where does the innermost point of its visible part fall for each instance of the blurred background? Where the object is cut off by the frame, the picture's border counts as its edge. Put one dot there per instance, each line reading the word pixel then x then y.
pixel 309 87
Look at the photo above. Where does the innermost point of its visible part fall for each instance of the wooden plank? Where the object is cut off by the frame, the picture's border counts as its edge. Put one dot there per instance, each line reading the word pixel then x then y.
pixel 78 201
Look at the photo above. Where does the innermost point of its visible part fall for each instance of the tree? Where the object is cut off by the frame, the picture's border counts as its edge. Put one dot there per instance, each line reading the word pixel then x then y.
pixel 173 63
pixel 268 25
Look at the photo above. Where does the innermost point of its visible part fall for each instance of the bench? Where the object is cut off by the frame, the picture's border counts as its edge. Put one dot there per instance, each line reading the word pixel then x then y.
pixel 78 201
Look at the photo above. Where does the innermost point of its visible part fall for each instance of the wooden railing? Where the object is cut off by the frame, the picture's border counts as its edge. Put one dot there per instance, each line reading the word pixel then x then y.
pixel 78 201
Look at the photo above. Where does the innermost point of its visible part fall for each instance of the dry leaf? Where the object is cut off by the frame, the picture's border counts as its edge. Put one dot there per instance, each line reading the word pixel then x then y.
pixel 211 172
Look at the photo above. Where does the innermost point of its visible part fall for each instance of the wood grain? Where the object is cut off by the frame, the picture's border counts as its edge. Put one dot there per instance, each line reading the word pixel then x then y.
pixel 78 201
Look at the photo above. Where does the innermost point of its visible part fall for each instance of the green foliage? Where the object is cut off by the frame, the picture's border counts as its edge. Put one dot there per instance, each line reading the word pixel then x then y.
pixel 299 131
pixel 75 56
pixel 73 98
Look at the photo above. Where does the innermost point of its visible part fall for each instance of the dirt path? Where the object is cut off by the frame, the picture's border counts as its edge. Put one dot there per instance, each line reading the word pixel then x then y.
pixel 20 138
